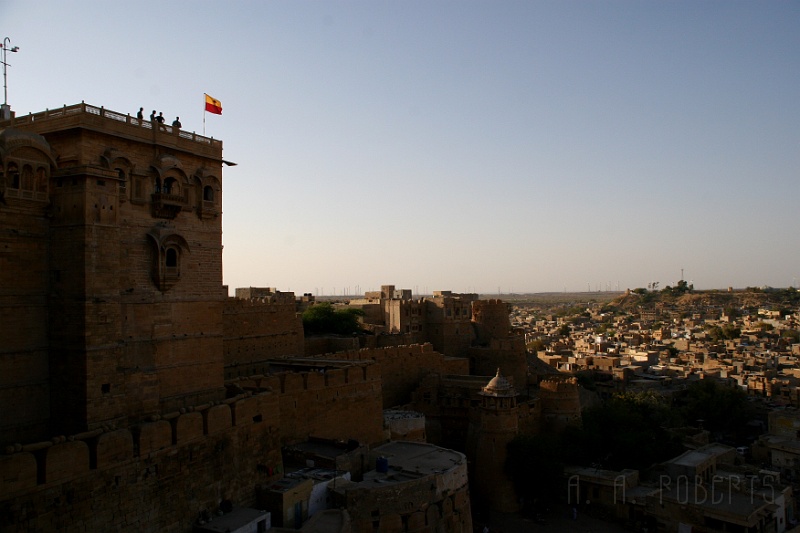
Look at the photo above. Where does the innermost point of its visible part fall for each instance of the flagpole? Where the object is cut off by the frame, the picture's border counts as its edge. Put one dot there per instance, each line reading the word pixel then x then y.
pixel 204 114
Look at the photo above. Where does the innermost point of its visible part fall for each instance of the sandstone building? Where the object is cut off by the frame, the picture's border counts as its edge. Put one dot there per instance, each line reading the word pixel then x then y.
pixel 111 271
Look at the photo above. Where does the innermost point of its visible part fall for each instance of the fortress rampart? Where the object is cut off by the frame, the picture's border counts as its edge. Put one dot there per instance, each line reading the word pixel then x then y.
pixel 137 478
pixel 256 330
pixel 560 401
pixel 403 367
pixel 161 474
pixel 490 318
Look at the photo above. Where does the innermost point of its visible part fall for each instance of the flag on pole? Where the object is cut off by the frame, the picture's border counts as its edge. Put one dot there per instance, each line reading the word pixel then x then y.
pixel 213 105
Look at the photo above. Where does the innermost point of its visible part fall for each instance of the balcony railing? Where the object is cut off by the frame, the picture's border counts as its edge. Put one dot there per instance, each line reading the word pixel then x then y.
pixel 65 111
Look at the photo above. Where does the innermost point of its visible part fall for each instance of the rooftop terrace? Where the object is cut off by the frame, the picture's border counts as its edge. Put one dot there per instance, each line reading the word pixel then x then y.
pixel 89 116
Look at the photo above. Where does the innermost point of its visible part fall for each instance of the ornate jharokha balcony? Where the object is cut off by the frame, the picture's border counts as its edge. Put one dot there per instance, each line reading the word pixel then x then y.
pixel 167 205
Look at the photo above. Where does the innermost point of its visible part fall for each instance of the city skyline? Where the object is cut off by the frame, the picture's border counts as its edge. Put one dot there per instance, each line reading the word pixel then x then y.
pixel 471 146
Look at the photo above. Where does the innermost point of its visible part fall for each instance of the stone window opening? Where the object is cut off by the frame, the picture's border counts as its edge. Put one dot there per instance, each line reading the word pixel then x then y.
pixel 208 193
pixel 157 185
pixel 41 180
pixel 171 186
pixel 167 251
pixel 13 174
pixel 27 178
pixel 171 260
pixel 123 181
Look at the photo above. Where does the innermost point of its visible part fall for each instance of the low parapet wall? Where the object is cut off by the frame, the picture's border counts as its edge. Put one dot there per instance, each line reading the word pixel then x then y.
pixel 155 476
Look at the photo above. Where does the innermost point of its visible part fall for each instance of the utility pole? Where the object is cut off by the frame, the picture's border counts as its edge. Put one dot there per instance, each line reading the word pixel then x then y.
pixel 5 111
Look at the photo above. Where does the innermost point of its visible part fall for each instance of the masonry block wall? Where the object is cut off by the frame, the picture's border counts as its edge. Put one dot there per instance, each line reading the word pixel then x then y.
pixel 342 403
pixel 328 344
pixel 560 402
pixel 490 431
pixel 491 320
pixel 24 275
pixel 402 368
pixel 156 476
pixel 256 330
pixel 448 324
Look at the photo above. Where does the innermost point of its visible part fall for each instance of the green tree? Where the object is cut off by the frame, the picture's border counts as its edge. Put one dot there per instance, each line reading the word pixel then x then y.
pixel 322 318
pixel 726 332
pixel 536 345
pixel 723 409
pixel 627 431
pixel 792 335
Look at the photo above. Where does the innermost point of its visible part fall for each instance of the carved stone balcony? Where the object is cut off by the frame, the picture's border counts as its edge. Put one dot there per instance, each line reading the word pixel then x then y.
pixel 167 205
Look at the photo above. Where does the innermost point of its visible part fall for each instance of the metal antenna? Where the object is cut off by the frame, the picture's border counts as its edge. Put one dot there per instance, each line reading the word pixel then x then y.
pixel 6 48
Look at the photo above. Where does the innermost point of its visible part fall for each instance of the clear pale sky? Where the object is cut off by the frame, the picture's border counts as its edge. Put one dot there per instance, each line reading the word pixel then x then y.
pixel 463 145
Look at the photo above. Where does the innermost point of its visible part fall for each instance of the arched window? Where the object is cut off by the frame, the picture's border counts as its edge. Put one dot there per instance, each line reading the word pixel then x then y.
pixel 13 176
pixel 157 185
pixel 41 180
pixel 208 193
pixel 171 258
pixel 27 178
pixel 123 181
pixel 171 186
pixel 171 267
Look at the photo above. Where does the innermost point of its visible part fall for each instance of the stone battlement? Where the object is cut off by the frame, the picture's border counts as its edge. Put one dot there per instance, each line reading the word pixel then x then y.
pixel 267 303
pixel 65 458
pixel 489 303
pixel 293 382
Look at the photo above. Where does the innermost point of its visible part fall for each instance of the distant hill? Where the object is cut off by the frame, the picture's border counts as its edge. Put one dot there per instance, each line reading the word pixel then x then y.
pixel 737 299
pixel 555 298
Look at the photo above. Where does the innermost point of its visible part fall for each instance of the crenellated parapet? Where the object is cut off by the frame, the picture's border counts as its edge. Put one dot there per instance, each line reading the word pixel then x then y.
pixel 79 458
pixel 560 401
pixel 259 329
pixel 327 399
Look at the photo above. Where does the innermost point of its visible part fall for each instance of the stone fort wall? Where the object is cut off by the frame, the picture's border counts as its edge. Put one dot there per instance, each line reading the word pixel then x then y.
pixel 256 330
pixel 491 321
pixel 560 401
pixel 403 367
pixel 340 403
pixel 159 475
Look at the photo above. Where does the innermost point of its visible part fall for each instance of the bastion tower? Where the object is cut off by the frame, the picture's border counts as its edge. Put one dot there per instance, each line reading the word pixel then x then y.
pixel 110 271
pixel 490 318
pixel 493 425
